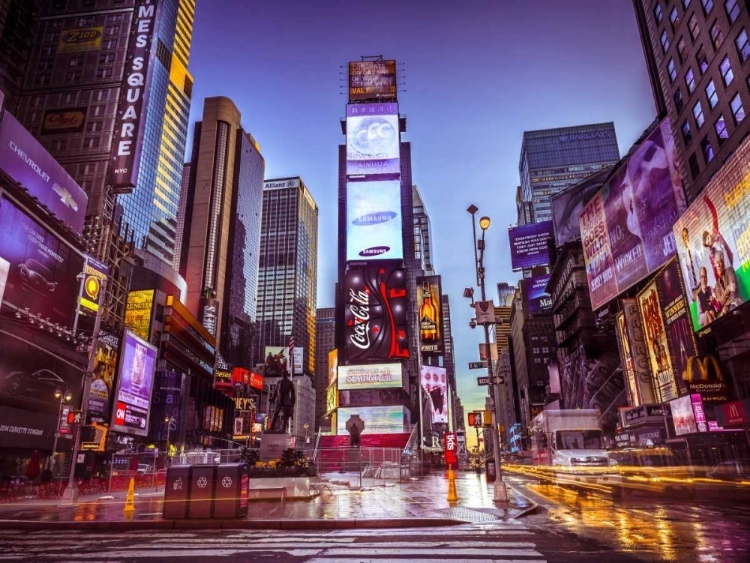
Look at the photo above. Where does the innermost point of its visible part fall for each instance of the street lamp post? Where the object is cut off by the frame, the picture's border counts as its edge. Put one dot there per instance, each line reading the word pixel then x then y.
pixel 501 493
pixel 64 398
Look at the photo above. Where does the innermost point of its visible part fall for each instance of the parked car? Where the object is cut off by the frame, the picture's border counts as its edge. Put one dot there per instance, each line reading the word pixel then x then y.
pixel 652 470
pixel 731 470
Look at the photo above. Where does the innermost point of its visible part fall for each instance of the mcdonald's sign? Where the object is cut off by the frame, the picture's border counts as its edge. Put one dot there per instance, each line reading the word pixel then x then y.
pixel 704 376
pixel 735 413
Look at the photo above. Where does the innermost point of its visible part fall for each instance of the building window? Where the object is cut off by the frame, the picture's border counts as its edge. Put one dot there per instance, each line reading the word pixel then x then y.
pixel 100 95
pixel 94 126
pixel 743 47
pixel 76 61
pixel 49 50
pixel 701 59
pixel 664 41
pixel 690 80
pixel 91 142
pixel 713 97
pixel 657 13
pixel 106 58
pixel 726 71
pixel 708 5
pixel 73 76
pixel 698 114
pixel 693 27
pixel 721 130
pixel 732 9
pixel 110 44
pixel 678 101
pixel 672 70
pixel 86 22
pixel 687 135
pixel 707 149
pixel 681 49
pixel 104 73
pixel 717 36
pixel 112 30
pixel 693 164
pixel 738 112
pixel 46 64
pixel 674 18
pixel 59 145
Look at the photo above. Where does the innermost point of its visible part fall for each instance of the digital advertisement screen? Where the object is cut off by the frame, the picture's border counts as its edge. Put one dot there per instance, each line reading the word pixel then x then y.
pixel 282 352
pixel 683 416
pixel 539 301
pixel 712 244
pixel 378 420
pixel 134 386
pixel 372 80
pixel 656 342
pixel 430 315
pixel 332 397
pixel 634 212
pixel 434 382
pixel 566 208
pixel 333 365
pixel 374 229
pixel 42 270
pixel 138 312
pixel 95 274
pixel 528 244
pixel 372 139
pixel 371 376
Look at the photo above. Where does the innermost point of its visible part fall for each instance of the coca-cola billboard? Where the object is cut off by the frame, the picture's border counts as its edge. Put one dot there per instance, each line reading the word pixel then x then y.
pixel 375 314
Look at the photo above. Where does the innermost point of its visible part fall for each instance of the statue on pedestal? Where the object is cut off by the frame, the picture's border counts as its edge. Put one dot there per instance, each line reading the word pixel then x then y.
pixel 283 399
pixel 355 426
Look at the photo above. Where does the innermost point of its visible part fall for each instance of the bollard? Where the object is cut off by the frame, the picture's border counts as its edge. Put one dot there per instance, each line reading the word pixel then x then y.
pixel 130 498
pixel 452 492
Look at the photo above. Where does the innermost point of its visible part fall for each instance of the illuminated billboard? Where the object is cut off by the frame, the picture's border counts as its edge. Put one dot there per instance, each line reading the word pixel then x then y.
pixel 370 376
pixel 435 384
pixel 430 315
pixel 138 312
pixel 713 251
pixel 134 386
pixel 80 39
pixel 656 342
pixel 378 420
pixel 528 245
pixel 282 353
pixel 373 221
pixel 628 361
pixel 375 319
pixel 63 121
pixel 332 397
pixel 333 365
pixel 372 139
pixel 42 269
pixel 626 228
pixel 567 206
pixel 372 80
pixel 94 277
pixel 535 293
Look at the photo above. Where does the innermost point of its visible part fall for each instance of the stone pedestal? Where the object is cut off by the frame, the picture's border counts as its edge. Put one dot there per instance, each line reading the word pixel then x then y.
pixel 272 445
pixel 353 461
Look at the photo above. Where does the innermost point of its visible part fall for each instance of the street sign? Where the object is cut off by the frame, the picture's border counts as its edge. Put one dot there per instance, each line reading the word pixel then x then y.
pixel 74 417
pixel 496 380
pixel 478 365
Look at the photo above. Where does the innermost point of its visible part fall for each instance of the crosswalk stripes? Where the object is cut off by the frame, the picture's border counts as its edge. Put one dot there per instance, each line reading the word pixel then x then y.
pixel 499 542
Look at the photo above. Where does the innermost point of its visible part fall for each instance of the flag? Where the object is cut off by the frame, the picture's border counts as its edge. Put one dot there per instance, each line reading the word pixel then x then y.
pixel 291 349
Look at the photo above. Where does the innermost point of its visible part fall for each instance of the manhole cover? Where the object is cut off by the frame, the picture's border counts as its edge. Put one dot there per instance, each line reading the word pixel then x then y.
pixel 468 515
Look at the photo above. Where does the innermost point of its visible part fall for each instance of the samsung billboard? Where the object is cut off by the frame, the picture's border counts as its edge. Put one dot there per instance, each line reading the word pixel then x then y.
pixel 372 139
pixel 373 221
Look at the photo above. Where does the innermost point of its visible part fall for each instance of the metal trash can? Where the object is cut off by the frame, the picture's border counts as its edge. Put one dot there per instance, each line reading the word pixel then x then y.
pixel 490 470
pixel 202 482
pixel 232 482
pixel 176 492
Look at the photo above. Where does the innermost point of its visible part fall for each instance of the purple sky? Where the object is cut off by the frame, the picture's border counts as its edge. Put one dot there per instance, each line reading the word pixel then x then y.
pixel 475 75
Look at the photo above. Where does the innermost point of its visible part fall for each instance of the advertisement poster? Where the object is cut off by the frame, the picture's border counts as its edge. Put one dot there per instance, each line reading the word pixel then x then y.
pixel 80 39
pixel 372 376
pixel 378 420
pixel 42 269
pixel 27 162
pixel 638 349
pixel 4 269
pixel 680 336
pixel 372 139
pixel 372 80
pixel 138 312
pixel 63 121
pixel 435 384
pixel 333 365
pixel 656 341
pixel 373 221
pixel 375 319
pixel 166 404
pixel 430 315
pixel 567 206
pixel 537 299
pixel 94 276
pixel 282 353
pixel 134 386
pixel 628 361
pixel 600 267
pixel 528 244
pixel 683 416
pixel 332 397
pixel 713 251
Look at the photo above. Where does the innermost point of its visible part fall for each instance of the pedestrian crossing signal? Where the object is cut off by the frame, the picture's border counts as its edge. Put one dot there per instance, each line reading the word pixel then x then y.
pixel 480 419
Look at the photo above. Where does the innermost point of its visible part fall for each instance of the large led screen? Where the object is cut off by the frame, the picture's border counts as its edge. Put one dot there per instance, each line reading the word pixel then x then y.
pixel 528 245
pixel 372 80
pixel 370 376
pixel 373 221
pixel 282 354
pixel 378 420
pixel 713 237
pixel 430 315
pixel 626 228
pixel 657 345
pixel 134 386
pixel 535 292
pixel 333 365
pixel 372 139
pixel 435 384
pixel 42 272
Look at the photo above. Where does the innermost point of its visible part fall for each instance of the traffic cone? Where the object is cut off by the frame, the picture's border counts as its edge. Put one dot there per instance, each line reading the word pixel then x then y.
pixel 452 492
pixel 130 498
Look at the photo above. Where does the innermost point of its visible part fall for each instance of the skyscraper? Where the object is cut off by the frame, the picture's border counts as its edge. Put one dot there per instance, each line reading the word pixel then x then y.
pixel 219 252
pixel 325 341
pixel 697 59
pixel 17 20
pixel 288 274
pixel 553 159
pixel 422 233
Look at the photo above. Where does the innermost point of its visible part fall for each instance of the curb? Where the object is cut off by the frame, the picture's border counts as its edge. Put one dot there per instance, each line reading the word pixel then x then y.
pixel 338 524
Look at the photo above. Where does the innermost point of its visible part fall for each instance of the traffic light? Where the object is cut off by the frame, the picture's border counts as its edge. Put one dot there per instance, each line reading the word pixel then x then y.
pixel 475 419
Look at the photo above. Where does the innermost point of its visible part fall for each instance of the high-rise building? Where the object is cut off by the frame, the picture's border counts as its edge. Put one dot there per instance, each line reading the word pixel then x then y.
pixel 219 252
pixel 181 210
pixel 554 159
pixel 422 234
pixel 697 59
pixel 107 91
pixel 17 20
pixel 288 274
pixel 325 341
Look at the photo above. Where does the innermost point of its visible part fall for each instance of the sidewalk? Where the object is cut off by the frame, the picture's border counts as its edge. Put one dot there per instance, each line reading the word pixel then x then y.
pixel 414 503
